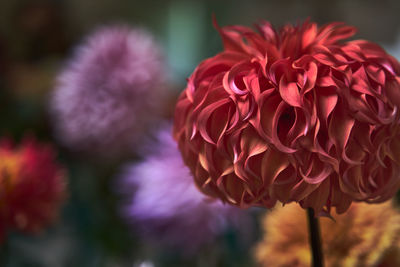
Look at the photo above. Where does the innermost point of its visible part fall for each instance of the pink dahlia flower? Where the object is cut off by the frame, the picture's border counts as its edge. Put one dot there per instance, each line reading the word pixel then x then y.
pixel 163 204
pixel 32 186
pixel 106 97
pixel 293 115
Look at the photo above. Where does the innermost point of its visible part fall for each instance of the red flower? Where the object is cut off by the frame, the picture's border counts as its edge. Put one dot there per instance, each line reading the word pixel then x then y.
pixel 32 186
pixel 295 115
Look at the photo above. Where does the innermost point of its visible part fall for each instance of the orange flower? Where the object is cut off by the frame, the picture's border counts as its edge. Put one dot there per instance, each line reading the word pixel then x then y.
pixel 366 235
pixel 32 186
pixel 293 115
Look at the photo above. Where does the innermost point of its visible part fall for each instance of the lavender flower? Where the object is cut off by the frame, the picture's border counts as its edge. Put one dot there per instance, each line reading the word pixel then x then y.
pixel 165 206
pixel 106 98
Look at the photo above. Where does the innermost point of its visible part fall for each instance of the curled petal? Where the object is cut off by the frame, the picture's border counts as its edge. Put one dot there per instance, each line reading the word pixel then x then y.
pixel 233 79
pixel 232 40
pixel 333 32
pixel 376 73
pixel 318 173
pixel 273 163
pixel 317 199
pixel 393 91
pixel 327 100
pixel 340 127
pixel 209 122
pixel 310 33
pixel 289 92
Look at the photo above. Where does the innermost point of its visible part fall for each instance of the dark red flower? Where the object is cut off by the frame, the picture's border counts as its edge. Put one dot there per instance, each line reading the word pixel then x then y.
pixel 295 115
pixel 32 186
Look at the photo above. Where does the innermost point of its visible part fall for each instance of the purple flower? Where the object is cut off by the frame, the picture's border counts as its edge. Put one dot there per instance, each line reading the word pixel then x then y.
pixel 164 205
pixel 107 97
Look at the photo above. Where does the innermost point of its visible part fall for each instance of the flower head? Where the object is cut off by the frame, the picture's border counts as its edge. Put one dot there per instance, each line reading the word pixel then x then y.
pixel 164 204
pixel 32 186
pixel 366 235
pixel 293 115
pixel 106 98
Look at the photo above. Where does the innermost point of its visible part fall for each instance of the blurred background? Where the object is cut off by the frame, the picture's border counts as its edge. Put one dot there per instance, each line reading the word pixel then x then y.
pixel 36 39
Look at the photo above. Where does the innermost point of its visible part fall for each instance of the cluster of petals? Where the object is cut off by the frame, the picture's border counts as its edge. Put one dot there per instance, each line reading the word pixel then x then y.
pixel 293 115
pixel 366 235
pixel 107 96
pixel 32 186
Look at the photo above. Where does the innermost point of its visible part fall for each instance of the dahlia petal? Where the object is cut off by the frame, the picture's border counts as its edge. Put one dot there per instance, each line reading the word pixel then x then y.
pixel 245 107
pixel 370 50
pixel 301 190
pixel 324 56
pixel 363 134
pixel 213 66
pixel 232 40
pixel 252 166
pixel 340 127
pixel 268 103
pixel 318 197
pixel 234 121
pixel 274 130
pixel 252 145
pixel 351 182
pixel 394 150
pixel 240 171
pixel 342 204
pixel 318 177
pixel 208 98
pixel 273 163
pixel 361 109
pixel 309 35
pixel 268 32
pixel 393 91
pixel 233 188
pixel 299 127
pixel 361 83
pixel 386 116
pixel 230 83
pixel 254 43
pixel 200 98
pixel 376 73
pixel 333 32
pixel 327 100
pixel 353 51
pixel 311 74
pixel 339 33
pixel 203 161
pixel 326 81
pixel 253 84
pixel 289 92
pixel 206 114
pixel 322 154
pixel 283 185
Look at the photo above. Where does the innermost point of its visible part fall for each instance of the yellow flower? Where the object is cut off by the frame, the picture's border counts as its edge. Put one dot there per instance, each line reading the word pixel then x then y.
pixel 366 235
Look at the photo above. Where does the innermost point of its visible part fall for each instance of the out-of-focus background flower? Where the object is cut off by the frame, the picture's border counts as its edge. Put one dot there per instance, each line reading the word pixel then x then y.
pixel 366 235
pixel 96 226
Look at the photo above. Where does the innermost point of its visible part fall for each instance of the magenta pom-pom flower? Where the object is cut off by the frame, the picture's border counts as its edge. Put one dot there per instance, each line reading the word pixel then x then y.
pixel 162 203
pixel 293 115
pixel 107 96
pixel 32 186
